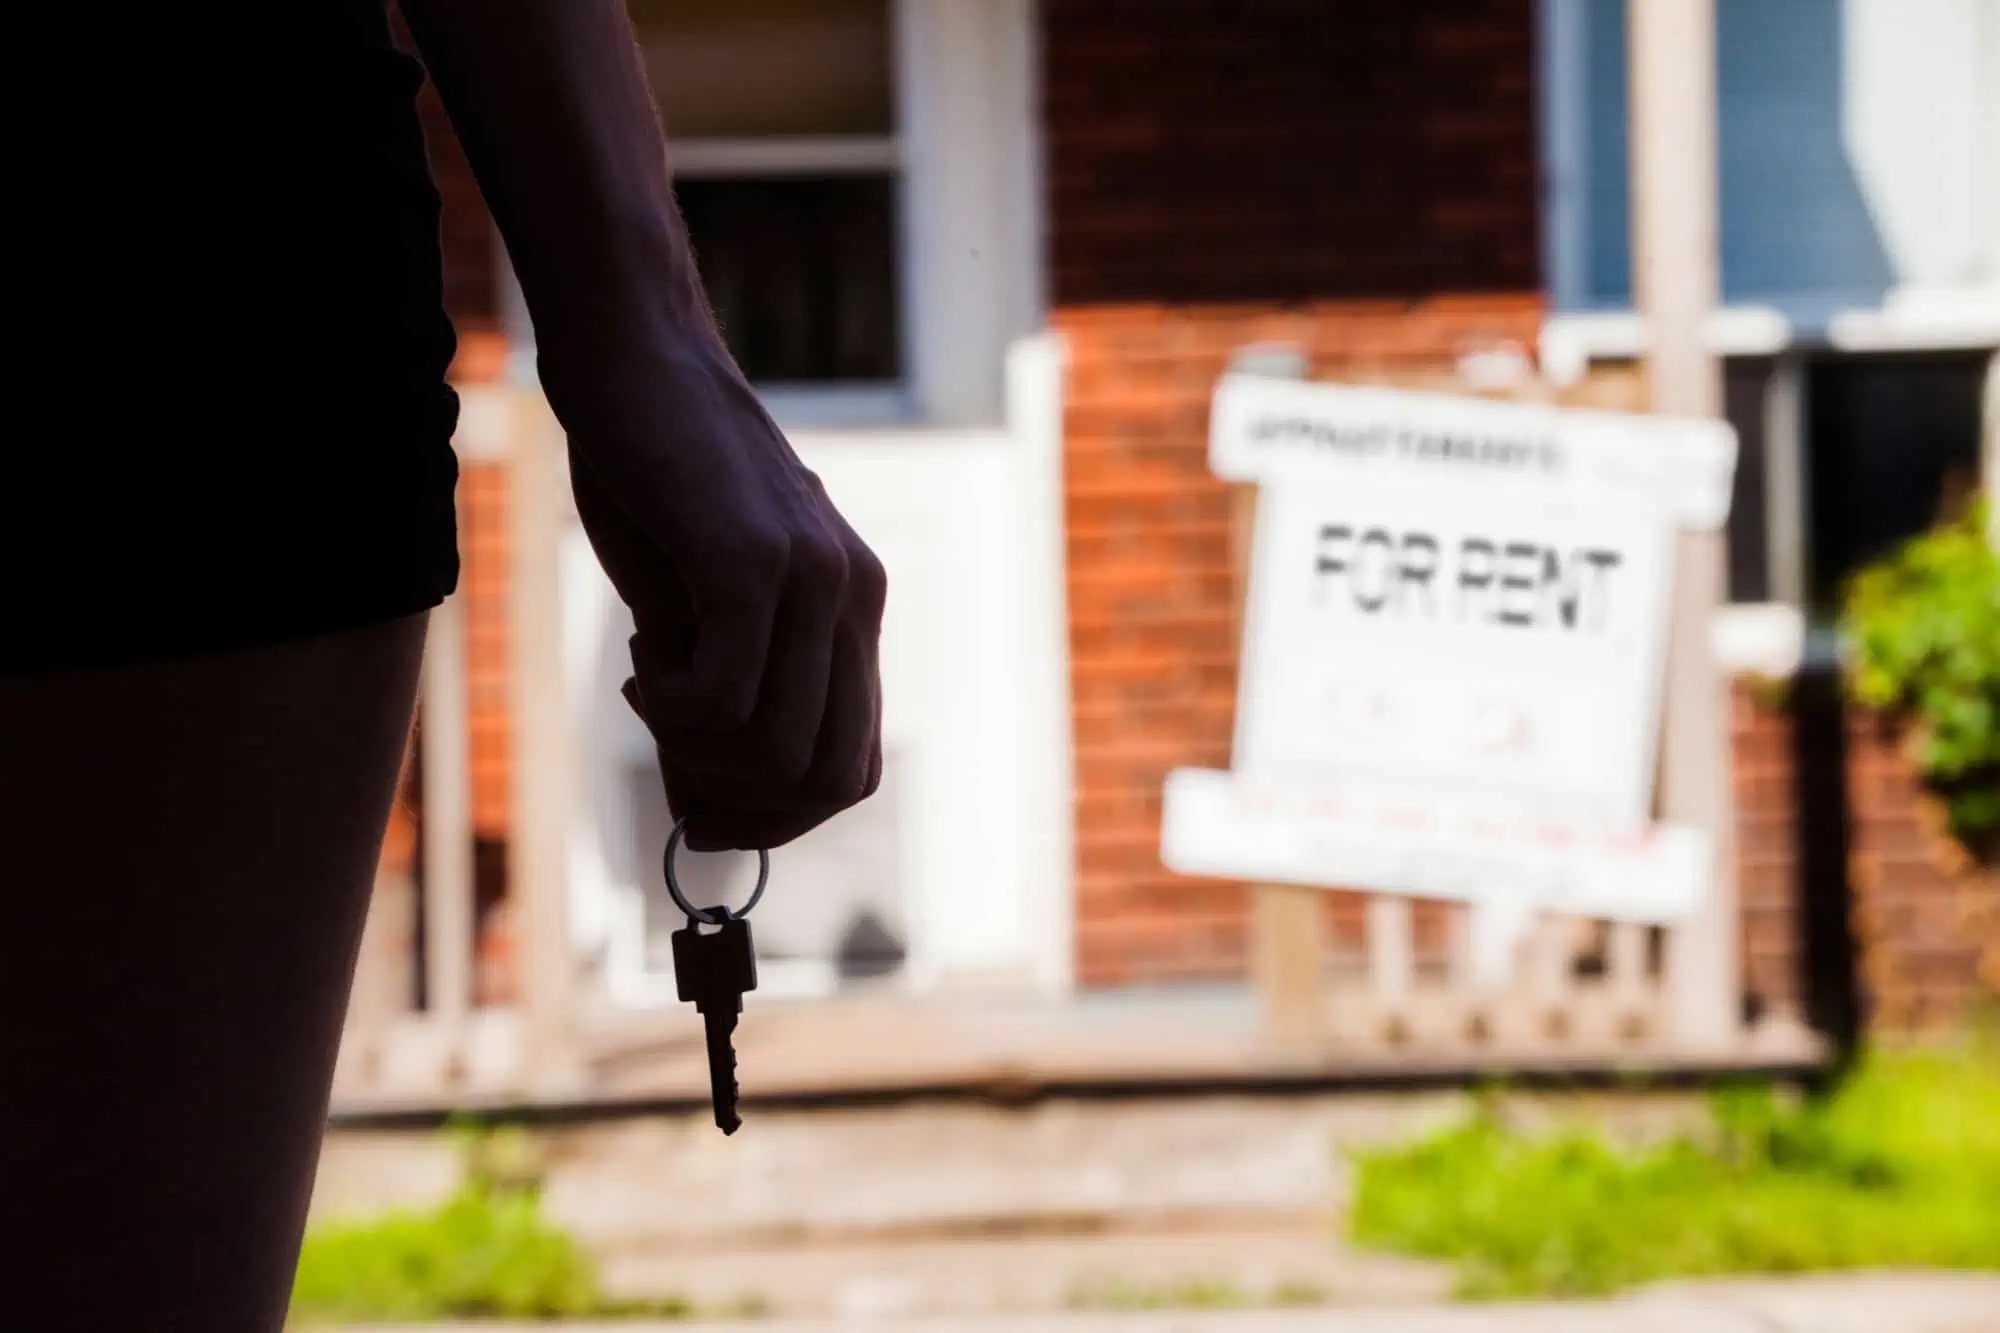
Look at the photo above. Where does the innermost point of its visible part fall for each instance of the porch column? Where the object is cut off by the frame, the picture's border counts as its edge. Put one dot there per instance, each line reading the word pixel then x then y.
pixel 1675 277
pixel 445 737
pixel 538 854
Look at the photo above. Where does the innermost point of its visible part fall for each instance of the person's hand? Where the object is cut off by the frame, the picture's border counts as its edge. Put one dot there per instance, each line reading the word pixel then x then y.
pixel 758 611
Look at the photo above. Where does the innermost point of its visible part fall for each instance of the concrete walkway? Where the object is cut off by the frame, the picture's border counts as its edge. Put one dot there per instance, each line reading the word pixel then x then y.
pixel 1874 1303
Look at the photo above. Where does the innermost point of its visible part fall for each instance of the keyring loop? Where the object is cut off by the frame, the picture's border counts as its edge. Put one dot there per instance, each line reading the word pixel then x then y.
pixel 714 916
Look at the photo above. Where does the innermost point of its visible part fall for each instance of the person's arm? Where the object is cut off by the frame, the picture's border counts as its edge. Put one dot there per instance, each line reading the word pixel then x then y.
pixel 549 99
pixel 757 608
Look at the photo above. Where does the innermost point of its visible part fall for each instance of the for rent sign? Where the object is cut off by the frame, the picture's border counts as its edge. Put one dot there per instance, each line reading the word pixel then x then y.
pixel 1453 649
pixel 1431 639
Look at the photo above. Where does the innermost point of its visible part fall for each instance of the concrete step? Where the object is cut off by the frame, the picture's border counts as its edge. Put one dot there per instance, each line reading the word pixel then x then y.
pixel 1876 1303
pixel 669 1183
pixel 1046 1275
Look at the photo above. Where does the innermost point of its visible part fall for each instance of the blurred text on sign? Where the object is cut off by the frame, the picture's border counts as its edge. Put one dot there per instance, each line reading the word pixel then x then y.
pixel 1224 825
pixel 1267 430
pixel 1434 638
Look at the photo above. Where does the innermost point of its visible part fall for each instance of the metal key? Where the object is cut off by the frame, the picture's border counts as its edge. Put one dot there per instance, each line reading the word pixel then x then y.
pixel 714 970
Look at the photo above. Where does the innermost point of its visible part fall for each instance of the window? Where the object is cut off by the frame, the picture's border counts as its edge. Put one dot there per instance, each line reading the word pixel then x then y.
pixel 801 272
pixel 781 115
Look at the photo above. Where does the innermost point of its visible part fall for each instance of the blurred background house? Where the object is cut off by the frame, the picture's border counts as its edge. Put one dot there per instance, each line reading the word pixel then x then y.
pixel 987 260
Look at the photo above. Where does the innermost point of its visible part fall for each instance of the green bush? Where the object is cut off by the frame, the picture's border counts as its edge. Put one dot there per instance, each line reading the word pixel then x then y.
pixel 1901 1166
pixel 1923 632
pixel 484 1252
pixel 1106 1294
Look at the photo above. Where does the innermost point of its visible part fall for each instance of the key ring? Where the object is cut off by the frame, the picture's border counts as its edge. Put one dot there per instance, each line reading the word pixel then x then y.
pixel 714 916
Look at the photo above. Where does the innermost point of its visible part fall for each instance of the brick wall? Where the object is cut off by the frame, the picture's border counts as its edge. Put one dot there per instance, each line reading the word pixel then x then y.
pixel 1242 150
pixel 1358 179
pixel 1926 915
pixel 1767 847
pixel 1154 584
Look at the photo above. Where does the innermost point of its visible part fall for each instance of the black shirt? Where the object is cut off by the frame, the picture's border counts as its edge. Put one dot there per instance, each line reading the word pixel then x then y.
pixel 230 422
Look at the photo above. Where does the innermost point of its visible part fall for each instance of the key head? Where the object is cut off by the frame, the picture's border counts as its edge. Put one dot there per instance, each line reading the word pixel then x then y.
pixel 717 966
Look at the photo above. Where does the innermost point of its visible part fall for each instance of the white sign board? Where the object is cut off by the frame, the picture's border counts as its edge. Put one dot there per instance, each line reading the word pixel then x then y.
pixel 1226 825
pixel 1267 430
pixel 1416 640
pixel 1453 650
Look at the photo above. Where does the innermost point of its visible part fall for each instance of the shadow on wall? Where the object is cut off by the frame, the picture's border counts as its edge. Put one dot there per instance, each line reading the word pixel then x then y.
pixel 1795 216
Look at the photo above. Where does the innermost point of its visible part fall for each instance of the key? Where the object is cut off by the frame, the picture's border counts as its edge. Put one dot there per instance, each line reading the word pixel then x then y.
pixel 714 970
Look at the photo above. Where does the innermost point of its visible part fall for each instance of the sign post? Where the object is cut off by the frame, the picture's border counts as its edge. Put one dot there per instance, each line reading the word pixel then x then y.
pixel 1287 921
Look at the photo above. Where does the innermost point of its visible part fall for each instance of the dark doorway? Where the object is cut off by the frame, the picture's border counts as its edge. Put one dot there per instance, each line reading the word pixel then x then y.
pixel 1894 443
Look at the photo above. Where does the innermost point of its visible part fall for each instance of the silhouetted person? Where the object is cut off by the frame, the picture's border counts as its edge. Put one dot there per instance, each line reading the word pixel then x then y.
pixel 225 510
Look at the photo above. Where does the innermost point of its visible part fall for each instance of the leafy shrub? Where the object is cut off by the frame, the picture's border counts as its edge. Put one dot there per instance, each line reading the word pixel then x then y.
pixel 1901 1166
pixel 484 1252
pixel 1922 627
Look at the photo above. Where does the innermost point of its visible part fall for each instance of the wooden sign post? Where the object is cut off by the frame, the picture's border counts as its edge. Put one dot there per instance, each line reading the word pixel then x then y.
pixel 1287 921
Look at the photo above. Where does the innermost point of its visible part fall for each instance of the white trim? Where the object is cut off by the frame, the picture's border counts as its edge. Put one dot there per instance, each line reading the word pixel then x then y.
pixel 1758 638
pixel 1905 322
pixel 1989 78
pixel 1621 335
pixel 801 155
pixel 838 405
pixel 1047 829
pixel 1921 321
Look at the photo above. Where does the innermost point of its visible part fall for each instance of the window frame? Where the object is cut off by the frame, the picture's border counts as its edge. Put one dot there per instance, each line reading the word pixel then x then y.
pixel 970 218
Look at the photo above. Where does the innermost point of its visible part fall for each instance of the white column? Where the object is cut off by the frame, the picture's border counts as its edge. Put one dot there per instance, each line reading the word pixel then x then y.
pixel 1048 810
pixel 971 199
pixel 1675 218
pixel 445 737
pixel 538 880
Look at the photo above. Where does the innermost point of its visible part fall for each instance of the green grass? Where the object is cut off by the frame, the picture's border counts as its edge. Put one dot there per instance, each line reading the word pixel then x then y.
pixel 1900 1166
pixel 485 1253
pixel 1190 1293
